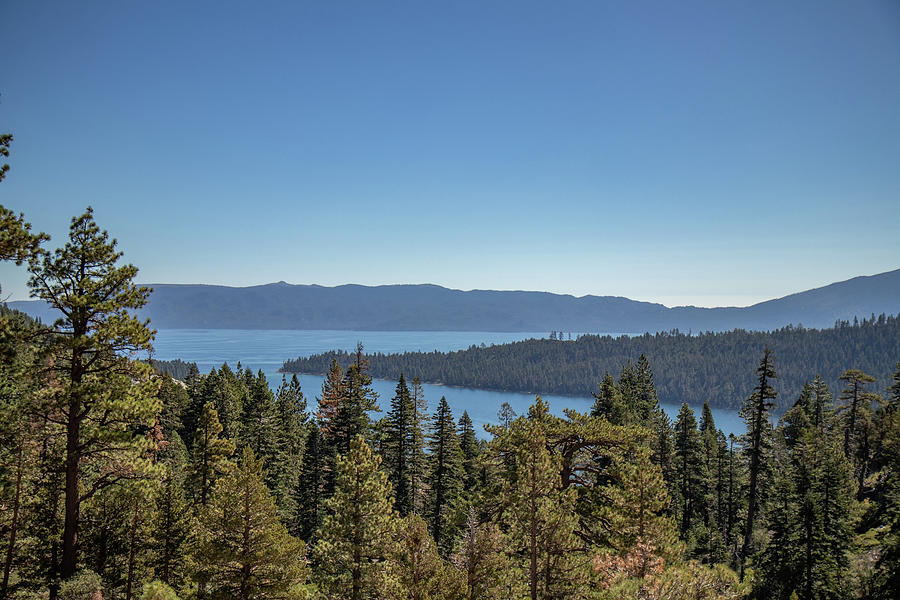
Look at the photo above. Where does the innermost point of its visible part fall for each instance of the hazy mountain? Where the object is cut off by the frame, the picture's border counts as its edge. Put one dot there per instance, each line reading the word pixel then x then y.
pixel 431 307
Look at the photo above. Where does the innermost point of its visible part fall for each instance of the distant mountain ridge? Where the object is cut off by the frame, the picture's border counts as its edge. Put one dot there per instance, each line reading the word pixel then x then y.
pixel 429 307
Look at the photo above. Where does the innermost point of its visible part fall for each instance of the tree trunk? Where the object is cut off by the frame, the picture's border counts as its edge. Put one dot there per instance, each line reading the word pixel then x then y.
pixel 848 433
pixel 14 524
pixel 132 542
pixel 72 502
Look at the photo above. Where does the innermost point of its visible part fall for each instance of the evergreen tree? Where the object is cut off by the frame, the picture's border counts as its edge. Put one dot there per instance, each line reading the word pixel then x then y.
pixel 20 434
pixel 103 396
pixel 244 548
pixel 172 529
pixel 756 444
pixel 662 447
pixel 399 440
pixel 887 572
pixel 17 243
pixel 779 560
pixel 210 455
pixel 357 535
pixel 417 569
pixel 855 399
pixel 468 445
pixel 644 399
pixel 445 476
pixel 290 434
pixel 331 398
pixel 810 520
pixel 893 395
pixel 733 499
pixel 710 492
pixel 639 494
pixel 258 425
pixel 506 415
pixel 310 494
pixel 689 468
pixel 417 462
pixel 542 520
pixel 480 554
pixel 608 402
pixel 352 416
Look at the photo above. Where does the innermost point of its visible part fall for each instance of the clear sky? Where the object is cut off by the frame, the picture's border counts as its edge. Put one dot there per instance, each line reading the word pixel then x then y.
pixel 708 153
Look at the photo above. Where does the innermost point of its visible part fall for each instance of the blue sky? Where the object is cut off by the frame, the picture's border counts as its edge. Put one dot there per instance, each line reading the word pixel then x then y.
pixel 704 153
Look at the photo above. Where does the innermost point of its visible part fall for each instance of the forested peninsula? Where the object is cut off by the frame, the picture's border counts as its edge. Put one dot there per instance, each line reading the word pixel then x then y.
pixel 688 368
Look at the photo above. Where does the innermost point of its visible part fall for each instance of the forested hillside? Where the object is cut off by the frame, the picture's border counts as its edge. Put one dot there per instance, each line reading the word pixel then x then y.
pixel 117 481
pixel 688 368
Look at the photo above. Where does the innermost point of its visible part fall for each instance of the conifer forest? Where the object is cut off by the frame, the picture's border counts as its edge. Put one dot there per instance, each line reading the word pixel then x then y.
pixel 120 481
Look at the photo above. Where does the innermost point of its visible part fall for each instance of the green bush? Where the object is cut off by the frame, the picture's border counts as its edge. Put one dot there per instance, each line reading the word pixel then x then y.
pixel 86 585
pixel 157 590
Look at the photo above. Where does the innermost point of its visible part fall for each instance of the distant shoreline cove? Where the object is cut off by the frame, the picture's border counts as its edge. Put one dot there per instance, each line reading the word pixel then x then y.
pixel 265 351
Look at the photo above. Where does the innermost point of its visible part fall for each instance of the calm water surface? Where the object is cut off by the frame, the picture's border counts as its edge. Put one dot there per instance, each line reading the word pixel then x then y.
pixel 267 350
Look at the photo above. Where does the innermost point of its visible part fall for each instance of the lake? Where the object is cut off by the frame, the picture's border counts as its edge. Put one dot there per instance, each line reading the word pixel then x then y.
pixel 267 350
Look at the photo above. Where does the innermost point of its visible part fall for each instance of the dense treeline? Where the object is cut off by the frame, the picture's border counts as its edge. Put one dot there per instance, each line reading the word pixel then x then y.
pixel 119 482
pixel 690 368
pixel 177 369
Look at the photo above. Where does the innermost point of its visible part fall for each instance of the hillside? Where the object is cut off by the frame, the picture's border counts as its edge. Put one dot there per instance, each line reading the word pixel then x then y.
pixel 434 308
pixel 718 367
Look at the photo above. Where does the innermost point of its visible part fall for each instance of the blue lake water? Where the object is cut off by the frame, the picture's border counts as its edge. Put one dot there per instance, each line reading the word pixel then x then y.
pixel 267 350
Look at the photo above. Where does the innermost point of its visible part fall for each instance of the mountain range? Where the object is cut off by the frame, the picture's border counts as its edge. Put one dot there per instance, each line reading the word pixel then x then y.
pixel 434 308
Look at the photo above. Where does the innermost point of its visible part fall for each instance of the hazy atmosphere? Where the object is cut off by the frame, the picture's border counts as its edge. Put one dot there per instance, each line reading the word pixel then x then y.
pixel 683 153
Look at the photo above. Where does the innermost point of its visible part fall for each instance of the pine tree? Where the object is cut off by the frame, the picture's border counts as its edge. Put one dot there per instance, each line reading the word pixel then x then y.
pixel 639 496
pixel 733 499
pixel 830 483
pixel 352 417
pixel 417 569
pixel 644 399
pixel 399 440
pixel 210 455
pixel 662 445
pixel 244 548
pixel 259 429
pixel 756 444
pixel 138 517
pixel 893 392
pixel 20 434
pixel 608 402
pixel 172 529
pixel 689 468
pixel 446 473
pixel 855 399
pixel 468 445
pixel 778 562
pixel 480 554
pixel 417 462
pixel 710 487
pixel 887 572
pixel 810 520
pixel 310 493
pixel 542 520
pixel 17 243
pixel 357 535
pixel 506 415
pixel 331 398
pixel 290 434
pixel 103 395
